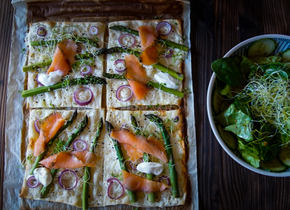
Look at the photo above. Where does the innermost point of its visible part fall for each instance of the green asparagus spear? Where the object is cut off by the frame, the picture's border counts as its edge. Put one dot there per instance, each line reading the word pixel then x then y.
pixel 166 89
pixel 150 83
pixel 42 155
pixel 109 128
pixel 35 66
pixel 45 190
pixel 85 201
pixel 164 41
pixel 151 196
pixel 172 171
pixel 66 83
pixel 113 76
pixel 54 42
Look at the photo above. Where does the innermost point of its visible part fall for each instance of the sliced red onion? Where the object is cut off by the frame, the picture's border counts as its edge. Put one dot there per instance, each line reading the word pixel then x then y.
pixel 176 119
pixel 61 178
pixel 119 92
pixel 164 28
pixel 32 182
pixel 36 126
pixel 168 53
pixel 38 82
pixel 120 65
pixel 94 30
pixel 122 38
pixel 111 181
pixel 41 31
pixel 166 178
pixel 80 145
pixel 77 95
pixel 86 70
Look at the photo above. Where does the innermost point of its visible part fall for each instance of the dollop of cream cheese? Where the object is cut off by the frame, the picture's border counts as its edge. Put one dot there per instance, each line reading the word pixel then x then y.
pixel 51 78
pixel 150 168
pixel 43 175
pixel 166 79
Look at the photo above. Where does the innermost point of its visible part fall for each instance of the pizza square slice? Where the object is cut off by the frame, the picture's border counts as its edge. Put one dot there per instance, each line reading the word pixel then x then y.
pixel 69 155
pixel 163 74
pixel 134 149
pixel 65 52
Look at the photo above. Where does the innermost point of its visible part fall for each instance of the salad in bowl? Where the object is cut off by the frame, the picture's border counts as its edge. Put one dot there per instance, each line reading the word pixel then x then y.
pixel 248 104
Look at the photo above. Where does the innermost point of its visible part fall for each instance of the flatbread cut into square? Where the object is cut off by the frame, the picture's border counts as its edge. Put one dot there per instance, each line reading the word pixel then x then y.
pixel 121 119
pixel 155 96
pixel 57 193
pixel 60 31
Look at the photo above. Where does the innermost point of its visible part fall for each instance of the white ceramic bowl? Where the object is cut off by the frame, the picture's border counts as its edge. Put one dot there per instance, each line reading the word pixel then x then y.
pixel 240 49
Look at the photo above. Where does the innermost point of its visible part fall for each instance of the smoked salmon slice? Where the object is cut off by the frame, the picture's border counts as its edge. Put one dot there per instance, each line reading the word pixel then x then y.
pixel 147 36
pixel 139 89
pixel 139 142
pixel 48 128
pixel 149 56
pixel 137 77
pixel 70 159
pixel 134 69
pixel 63 57
pixel 132 152
pixel 133 182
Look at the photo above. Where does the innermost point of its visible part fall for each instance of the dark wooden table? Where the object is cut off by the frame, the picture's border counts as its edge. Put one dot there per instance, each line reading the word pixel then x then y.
pixel 216 27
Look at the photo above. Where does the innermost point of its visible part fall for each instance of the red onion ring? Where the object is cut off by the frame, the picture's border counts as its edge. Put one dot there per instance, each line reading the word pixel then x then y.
pixel 116 65
pixel 119 91
pixel 80 102
pixel 166 178
pixel 126 35
pixel 176 119
pixel 36 126
pixel 111 181
pixel 94 30
pixel 41 31
pixel 164 28
pixel 86 70
pixel 38 82
pixel 168 53
pixel 32 182
pixel 80 145
pixel 60 179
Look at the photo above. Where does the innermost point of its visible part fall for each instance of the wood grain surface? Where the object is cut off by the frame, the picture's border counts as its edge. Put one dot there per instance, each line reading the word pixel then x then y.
pixel 217 26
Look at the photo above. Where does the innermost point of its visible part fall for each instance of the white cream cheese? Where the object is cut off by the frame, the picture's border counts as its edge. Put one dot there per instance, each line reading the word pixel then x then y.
pixel 51 78
pixel 166 79
pixel 43 175
pixel 150 168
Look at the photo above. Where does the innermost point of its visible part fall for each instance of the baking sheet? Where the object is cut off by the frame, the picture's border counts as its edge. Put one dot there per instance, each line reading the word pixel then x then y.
pixel 97 11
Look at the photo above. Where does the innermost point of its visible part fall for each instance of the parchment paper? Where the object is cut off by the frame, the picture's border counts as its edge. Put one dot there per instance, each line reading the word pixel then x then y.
pixel 14 170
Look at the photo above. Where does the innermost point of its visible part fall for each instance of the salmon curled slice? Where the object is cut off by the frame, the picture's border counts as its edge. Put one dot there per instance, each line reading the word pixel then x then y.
pixel 48 128
pixel 70 159
pixel 149 56
pixel 64 57
pixel 137 77
pixel 139 142
pixel 147 36
pixel 132 152
pixel 133 182
pixel 148 39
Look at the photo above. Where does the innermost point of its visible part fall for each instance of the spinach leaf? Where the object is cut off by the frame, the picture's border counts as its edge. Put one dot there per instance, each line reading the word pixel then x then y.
pixel 236 121
pixel 249 152
pixel 229 71
pixel 248 65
